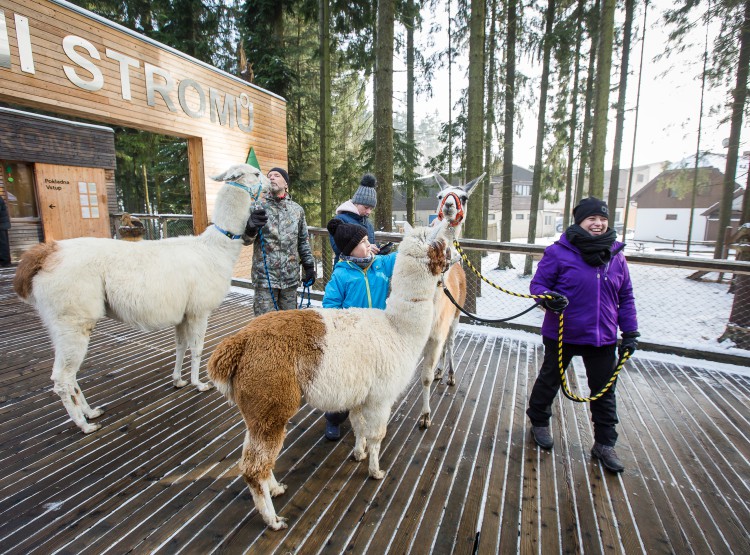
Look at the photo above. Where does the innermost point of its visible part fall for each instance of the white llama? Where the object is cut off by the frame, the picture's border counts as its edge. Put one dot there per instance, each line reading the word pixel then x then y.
pixel 452 206
pixel 278 357
pixel 147 284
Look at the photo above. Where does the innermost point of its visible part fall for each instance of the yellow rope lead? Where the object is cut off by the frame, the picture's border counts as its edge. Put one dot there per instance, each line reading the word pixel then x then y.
pixel 566 391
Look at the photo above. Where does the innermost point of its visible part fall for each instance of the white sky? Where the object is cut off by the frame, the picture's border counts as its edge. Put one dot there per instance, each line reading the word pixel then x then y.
pixel 669 105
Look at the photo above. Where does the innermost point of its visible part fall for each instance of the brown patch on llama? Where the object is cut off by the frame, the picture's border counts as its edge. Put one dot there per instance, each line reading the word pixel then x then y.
pixel 436 254
pixel 32 261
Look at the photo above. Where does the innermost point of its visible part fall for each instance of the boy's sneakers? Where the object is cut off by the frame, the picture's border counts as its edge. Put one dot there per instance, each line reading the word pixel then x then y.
pixel 333 431
pixel 542 436
pixel 608 456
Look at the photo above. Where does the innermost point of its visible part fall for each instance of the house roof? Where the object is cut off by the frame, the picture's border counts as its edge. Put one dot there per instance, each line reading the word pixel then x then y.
pixel 736 204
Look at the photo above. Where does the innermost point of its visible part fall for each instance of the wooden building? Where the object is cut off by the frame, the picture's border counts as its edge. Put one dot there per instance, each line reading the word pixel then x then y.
pixel 64 60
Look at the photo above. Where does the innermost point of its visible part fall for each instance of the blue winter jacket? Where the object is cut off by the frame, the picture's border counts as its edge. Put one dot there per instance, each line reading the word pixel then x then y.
pixel 601 298
pixel 352 287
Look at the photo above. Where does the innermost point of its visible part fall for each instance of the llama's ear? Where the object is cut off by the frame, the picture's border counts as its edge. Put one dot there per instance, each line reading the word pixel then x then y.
pixel 442 183
pixel 471 185
pixel 221 177
pixel 437 231
pixel 408 228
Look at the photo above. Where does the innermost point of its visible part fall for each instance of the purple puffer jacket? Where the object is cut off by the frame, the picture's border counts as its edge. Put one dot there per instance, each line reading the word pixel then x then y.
pixel 601 298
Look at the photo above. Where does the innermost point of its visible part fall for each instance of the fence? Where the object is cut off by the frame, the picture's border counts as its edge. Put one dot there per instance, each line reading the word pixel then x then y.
pixel 684 303
pixel 157 226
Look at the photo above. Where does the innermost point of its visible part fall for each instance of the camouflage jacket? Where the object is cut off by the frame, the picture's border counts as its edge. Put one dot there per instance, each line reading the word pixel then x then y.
pixel 285 241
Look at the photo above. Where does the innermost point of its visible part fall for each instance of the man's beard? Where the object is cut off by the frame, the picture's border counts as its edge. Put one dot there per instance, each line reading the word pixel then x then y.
pixel 277 190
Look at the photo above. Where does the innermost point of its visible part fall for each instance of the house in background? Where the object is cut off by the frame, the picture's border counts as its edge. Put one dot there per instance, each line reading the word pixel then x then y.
pixel 664 204
pixel 642 175
pixel 712 216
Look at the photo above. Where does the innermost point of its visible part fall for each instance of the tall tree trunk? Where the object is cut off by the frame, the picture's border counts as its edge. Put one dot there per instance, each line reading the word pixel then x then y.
pixel 536 181
pixel 590 77
pixel 510 112
pixel 474 139
pixel 450 97
pixel 573 118
pixel 384 113
pixel 739 95
pixel 614 181
pixel 410 162
pixel 326 190
pixel 490 117
pixel 601 98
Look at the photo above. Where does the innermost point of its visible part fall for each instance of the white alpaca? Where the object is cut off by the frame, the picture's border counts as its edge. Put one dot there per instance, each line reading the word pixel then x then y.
pixel 329 357
pixel 452 205
pixel 147 284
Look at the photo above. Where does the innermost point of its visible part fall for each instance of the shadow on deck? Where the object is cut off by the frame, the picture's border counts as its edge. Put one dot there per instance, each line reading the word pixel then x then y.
pixel 161 474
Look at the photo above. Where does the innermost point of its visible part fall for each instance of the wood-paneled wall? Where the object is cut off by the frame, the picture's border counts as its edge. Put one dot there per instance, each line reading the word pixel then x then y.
pixel 50 89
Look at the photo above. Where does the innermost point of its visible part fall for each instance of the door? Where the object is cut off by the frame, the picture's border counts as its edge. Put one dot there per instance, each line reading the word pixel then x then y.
pixel 72 201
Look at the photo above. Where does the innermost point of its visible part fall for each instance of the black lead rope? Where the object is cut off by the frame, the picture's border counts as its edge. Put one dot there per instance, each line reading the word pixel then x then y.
pixel 485 320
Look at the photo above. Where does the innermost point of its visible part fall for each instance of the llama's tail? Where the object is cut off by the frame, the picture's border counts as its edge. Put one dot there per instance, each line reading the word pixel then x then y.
pixel 223 365
pixel 32 261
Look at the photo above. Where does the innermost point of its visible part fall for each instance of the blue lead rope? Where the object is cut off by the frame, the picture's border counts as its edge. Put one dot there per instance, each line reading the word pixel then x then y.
pixel 305 289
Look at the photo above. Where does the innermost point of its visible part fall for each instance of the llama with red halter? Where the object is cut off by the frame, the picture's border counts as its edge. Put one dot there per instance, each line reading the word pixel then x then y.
pixel 452 203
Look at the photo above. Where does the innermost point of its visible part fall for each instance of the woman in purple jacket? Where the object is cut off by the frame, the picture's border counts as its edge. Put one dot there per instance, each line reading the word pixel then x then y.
pixel 587 269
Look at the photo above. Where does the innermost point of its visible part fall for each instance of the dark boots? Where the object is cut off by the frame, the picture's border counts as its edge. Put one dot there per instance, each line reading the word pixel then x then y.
pixel 542 436
pixel 608 456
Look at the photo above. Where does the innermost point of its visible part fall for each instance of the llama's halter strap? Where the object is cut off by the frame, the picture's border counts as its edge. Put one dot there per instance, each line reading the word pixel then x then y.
pixel 253 192
pixel 459 207
pixel 227 233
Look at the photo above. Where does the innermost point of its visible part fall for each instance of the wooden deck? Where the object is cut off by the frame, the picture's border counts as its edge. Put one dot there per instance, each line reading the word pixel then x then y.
pixel 161 475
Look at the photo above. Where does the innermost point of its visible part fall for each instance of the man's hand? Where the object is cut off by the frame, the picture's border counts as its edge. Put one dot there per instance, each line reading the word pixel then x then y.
pixel 258 218
pixel 310 276
pixel 557 303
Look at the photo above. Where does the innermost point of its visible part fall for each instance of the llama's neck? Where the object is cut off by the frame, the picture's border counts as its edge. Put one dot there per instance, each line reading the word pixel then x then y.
pixel 410 306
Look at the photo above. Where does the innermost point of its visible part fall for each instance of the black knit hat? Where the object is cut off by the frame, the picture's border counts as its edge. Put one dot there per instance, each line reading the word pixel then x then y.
pixel 283 173
pixel 366 194
pixel 346 236
pixel 590 206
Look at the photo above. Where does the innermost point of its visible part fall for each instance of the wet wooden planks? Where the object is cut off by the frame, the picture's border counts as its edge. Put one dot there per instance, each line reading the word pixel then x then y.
pixel 161 475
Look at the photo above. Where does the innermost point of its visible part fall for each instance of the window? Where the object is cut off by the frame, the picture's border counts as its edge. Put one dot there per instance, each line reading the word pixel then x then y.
pixel 20 192
pixel 641 178
pixel 671 216
pixel 547 220
pixel 522 190
pixel 671 193
pixel 490 217
pixel 519 216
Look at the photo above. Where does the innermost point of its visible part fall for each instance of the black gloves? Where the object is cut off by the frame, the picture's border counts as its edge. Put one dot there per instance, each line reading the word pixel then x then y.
pixel 629 342
pixel 309 276
pixel 386 249
pixel 557 303
pixel 258 218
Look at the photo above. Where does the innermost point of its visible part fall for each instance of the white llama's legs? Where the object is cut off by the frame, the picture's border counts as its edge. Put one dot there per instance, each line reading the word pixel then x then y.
pixel 448 353
pixel 190 333
pixel 374 421
pixel 70 350
pixel 431 357
pixel 360 441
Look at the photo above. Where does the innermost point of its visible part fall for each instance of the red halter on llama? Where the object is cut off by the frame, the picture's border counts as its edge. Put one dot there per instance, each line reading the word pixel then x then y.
pixel 451 208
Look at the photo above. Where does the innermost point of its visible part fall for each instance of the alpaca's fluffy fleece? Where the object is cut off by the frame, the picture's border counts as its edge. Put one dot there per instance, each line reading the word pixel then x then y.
pixel 148 285
pixel 452 206
pixel 330 357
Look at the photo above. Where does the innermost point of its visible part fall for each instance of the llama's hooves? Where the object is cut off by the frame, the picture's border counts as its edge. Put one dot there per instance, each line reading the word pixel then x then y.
pixel 377 474
pixel 424 421
pixel 278 490
pixel 278 523
pixel 359 455
pixel 204 386
pixel 438 375
pixel 96 413
pixel 451 380
pixel 88 428
pixel 179 383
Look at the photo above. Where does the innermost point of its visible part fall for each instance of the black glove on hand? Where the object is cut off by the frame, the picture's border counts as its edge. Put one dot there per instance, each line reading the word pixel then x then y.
pixel 309 276
pixel 629 342
pixel 557 303
pixel 386 249
pixel 258 218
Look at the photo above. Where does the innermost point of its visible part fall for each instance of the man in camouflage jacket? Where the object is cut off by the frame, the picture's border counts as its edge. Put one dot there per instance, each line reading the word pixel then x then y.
pixel 283 238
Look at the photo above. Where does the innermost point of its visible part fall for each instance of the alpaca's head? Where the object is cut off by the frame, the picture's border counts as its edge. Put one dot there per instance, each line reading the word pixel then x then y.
pixel 453 200
pixel 243 187
pixel 426 247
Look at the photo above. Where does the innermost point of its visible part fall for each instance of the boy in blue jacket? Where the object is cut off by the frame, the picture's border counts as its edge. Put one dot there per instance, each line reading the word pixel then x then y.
pixel 359 280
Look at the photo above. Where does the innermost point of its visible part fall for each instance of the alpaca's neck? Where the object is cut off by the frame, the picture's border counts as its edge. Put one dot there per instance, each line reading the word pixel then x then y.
pixel 410 305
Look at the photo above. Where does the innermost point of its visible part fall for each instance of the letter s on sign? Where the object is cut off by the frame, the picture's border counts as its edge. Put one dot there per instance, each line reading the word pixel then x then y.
pixel 69 46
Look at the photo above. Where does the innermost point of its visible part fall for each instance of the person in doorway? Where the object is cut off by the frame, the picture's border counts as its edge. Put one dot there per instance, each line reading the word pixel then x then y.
pixel 4 227
pixel 278 230
pixel 586 268
pixel 357 211
pixel 359 280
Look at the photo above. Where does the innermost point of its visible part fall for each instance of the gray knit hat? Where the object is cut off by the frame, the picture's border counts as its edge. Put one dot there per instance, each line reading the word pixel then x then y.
pixel 366 194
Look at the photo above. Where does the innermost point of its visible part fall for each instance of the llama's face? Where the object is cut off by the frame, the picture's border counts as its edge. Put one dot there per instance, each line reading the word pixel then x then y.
pixel 247 175
pixel 428 246
pixel 452 204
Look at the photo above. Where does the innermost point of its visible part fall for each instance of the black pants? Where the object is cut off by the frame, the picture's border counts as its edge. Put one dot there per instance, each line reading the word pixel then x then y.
pixel 4 248
pixel 600 363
